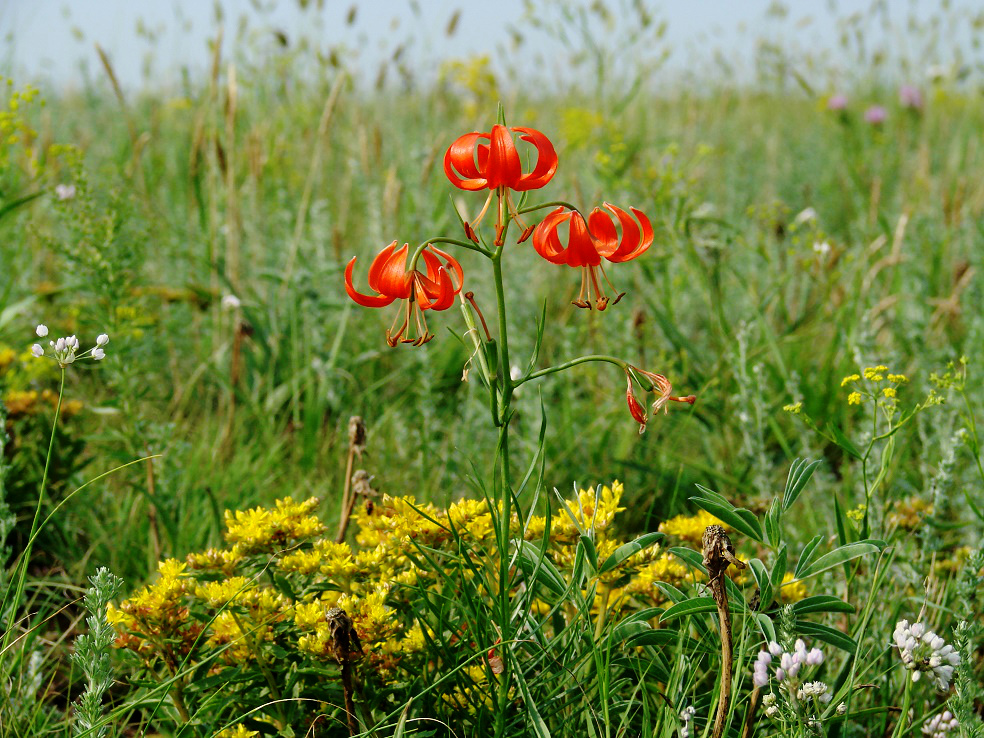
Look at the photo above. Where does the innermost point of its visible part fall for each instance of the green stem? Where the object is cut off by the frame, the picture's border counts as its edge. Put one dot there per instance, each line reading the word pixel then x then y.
pixel 573 362
pixel 501 417
pixel 26 554
pixel 551 204
pixel 906 702
pixel 453 241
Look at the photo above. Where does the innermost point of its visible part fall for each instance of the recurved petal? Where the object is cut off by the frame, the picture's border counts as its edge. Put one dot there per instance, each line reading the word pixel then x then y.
pixel 388 273
pixel 437 294
pixel 546 161
pixel 364 300
pixel 633 242
pixel 503 168
pixel 546 242
pixel 452 263
pixel 459 163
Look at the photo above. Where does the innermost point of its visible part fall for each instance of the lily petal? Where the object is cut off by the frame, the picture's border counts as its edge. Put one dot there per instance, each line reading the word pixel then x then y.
pixel 459 163
pixel 388 272
pixel 364 300
pixel 503 168
pixel 546 161
pixel 632 245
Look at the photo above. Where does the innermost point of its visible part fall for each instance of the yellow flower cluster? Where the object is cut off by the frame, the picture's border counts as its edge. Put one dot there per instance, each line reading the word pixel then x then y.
pixel 690 527
pixel 240 731
pixel 875 374
pixel 271 592
pixel 908 514
pixel 262 529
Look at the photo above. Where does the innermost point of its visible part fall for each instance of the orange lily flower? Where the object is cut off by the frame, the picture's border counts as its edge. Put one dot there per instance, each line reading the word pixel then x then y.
pixel 588 241
pixel 420 291
pixel 472 165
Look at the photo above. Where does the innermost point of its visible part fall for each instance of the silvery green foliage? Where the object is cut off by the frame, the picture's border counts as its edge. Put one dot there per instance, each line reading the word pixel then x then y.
pixel 92 653
pixel 966 639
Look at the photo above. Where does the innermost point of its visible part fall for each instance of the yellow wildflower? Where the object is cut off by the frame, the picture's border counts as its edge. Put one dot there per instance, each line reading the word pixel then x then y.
pixel 854 398
pixel 240 731
pixel 791 589
pixel 874 373
pixel 794 408
pixel 7 356
pixel 689 527
pixel 20 403
pixel 308 614
pixel 264 529
pixel 889 392
pixel 233 589
pixel 898 378
pixel 857 514
pixel 850 378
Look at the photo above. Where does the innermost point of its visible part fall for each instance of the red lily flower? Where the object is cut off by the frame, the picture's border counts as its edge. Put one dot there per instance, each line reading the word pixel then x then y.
pixel 388 276
pixel 588 242
pixel 471 165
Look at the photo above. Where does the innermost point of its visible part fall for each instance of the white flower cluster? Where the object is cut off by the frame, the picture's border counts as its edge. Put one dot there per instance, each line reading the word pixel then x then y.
pixel 816 690
pixel 922 650
pixel 686 715
pixel 789 663
pixel 939 725
pixel 65 350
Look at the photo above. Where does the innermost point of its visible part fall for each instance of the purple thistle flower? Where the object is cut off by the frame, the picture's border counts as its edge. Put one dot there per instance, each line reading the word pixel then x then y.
pixel 875 115
pixel 910 97
pixel 837 102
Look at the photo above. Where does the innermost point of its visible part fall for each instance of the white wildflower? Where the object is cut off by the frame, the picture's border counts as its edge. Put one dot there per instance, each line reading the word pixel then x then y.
pixel 41 330
pixel 940 725
pixel 64 191
pixel 921 650
pixel 231 302
pixel 38 350
pixel 102 339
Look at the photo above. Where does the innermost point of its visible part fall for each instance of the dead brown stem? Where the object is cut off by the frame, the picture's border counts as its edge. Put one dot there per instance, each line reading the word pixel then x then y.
pixel 718 555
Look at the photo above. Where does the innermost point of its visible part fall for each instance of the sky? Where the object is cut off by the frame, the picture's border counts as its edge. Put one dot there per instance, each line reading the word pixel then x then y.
pixel 151 41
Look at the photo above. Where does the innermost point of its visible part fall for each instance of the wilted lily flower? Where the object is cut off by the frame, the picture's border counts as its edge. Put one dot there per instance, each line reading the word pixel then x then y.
pixel 389 277
pixel 588 242
pixel 659 385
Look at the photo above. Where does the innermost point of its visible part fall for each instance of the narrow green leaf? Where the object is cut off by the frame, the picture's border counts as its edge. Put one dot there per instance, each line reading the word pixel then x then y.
pixel 540 568
pixel 843 441
pixel 744 521
pixel 690 557
pixel 779 569
pixel 841 555
pixel 629 549
pixel 800 473
pixel 692 606
pixel 590 552
pixel 807 556
pixel 822 603
pixel 827 635
pixel 539 726
pixel 773 529
pixel 764 582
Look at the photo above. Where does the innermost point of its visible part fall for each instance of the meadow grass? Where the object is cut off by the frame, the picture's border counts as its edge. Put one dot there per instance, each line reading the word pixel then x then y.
pixel 795 246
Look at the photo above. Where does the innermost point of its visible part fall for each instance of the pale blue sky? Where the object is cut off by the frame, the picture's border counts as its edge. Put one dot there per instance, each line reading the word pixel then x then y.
pixel 52 41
